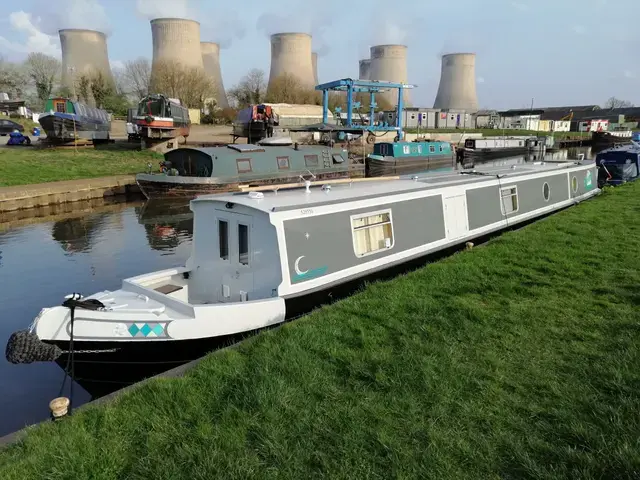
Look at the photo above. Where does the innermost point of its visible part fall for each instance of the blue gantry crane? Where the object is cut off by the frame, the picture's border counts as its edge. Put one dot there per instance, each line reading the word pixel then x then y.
pixel 351 87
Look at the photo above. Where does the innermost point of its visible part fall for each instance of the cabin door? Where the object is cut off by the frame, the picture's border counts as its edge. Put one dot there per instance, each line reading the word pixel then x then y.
pixel 235 245
pixel 456 220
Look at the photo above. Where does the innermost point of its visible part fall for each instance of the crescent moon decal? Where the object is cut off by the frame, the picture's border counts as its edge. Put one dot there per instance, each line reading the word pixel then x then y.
pixel 296 266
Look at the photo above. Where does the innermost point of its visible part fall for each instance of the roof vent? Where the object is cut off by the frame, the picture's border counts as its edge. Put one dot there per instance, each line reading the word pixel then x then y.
pixel 307 184
pixel 256 195
pixel 326 188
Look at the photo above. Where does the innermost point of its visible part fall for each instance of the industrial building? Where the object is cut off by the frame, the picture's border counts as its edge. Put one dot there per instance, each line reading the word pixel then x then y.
pixel 457 88
pixel 211 61
pixel 177 42
pixel 84 52
pixel 364 69
pixel 291 56
pixel 389 64
pixel 431 118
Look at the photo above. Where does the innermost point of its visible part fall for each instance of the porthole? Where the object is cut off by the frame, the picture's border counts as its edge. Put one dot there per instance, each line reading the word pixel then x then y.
pixel 546 191
pixel 574 184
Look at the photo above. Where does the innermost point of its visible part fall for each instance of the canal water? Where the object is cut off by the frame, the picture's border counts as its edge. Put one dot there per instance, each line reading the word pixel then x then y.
pixel 84 247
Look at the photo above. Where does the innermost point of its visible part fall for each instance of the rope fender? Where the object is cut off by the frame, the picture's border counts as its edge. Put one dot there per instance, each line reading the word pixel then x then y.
pixel 24 346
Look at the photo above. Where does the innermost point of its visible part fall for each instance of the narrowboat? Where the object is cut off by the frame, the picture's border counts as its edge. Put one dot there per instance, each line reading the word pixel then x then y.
pixel 493 147
pixel 159 117
pixel 618 165
pixel 252 123
pixel 610 138
pixel 396 158
pixel 187 172
pixel 65 120
pixel 259 258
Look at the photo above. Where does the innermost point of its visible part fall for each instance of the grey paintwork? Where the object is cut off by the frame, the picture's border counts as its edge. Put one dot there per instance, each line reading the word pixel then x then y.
pixel 581 176
pixel 483 204
pixel 329 246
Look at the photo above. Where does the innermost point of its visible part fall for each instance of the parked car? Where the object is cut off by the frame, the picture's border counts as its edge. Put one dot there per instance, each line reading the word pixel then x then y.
pixel 8 126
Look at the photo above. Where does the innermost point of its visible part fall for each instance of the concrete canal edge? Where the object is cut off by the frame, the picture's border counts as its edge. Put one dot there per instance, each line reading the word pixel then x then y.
pixel 41 194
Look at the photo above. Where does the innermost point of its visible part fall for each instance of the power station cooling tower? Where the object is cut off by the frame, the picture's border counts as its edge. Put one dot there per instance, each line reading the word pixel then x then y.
pixel 84 52
pixel 291 55
pixel 389 63
pixel 364 69
pixel 211 60
pixel 314 64
pixel 458 83
pixel 175 41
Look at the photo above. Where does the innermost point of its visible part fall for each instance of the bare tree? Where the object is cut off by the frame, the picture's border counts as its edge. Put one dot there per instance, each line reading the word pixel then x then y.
pixel 614 102
pixel 43 71
pixel 250 90
pixel 189 84
pixel 13 79
pixel 137 77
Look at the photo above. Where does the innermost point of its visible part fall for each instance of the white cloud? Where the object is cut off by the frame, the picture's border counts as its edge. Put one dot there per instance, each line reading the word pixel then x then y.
pixel 151 9
pixel 480 79
pixel 629 74
pixel 36 40
pixel 116 64
pixel 520 6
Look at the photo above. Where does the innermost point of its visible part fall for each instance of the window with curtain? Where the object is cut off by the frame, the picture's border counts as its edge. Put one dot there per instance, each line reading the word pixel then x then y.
pixel 509 198
pixel 372 233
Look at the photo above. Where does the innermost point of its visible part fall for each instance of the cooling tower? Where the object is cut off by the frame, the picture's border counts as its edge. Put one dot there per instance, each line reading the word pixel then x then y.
pixel 389 63
pixel 84 52
pixel 458 83
pixel 176 41
pixel 365 69
pixel 291 55
pixel 314 64
pixel 211 61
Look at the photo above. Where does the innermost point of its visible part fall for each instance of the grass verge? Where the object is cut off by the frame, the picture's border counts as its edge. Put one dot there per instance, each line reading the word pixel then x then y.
pixel 519 359
pixel 493 132
pixel 27 165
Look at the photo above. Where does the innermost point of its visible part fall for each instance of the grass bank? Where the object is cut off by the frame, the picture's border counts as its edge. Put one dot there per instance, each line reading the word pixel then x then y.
pixel 519 359
pixel 492 132
pixel 26 165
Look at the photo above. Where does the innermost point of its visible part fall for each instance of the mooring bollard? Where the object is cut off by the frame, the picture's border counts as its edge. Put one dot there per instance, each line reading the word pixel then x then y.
pixel 59 407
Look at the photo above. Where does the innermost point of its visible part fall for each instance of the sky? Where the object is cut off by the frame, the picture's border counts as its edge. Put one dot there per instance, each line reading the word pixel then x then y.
pixel 551 52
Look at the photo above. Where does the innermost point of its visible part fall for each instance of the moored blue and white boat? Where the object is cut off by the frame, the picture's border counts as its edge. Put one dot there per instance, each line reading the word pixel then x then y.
pixel 65 120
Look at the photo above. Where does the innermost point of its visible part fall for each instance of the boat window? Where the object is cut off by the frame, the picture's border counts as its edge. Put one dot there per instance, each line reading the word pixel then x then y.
pixel 311 160
pixel 432 149
pixel 520 143
pixel 546 191
pixel 61 107
pixel 372 232
pixel 223 238
pixel 243 244
pixel 574 184
pixel 509 200
pixel 442 148
pixel 337 158
pixel 283 162
pixel 244 165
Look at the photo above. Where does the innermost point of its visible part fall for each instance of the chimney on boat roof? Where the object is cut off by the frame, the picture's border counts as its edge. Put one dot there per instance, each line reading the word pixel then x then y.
pixel 211 61
pixel 457 89
pixel 389 64
pixel 84 52
pixel 176 41
pixel 291 56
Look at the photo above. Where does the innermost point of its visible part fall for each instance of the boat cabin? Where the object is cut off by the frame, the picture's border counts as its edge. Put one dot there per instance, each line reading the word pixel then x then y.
pixel 411 149
pixel 618 165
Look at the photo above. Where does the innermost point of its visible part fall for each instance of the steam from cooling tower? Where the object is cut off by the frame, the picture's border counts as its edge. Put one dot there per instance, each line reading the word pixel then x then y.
pixel 314 64
pixel 457 87
pixel 176 41
pixel 389 63
pixel 211 61
pixel 299 20
pixel 291 56
pixel 84 52
pixel 364 69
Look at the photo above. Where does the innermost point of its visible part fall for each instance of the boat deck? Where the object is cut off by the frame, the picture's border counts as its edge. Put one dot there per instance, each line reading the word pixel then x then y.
pixel 287 199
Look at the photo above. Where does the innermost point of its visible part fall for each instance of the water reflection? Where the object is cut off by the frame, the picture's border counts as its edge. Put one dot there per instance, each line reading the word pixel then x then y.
pixel 167 224
pixel 76 235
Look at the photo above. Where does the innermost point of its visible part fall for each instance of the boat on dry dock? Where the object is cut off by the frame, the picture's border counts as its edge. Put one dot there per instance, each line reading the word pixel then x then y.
pixel 261 257
pixel 187 172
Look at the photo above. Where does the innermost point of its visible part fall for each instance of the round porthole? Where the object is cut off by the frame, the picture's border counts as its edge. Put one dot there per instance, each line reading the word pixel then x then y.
pixel 574 184
pixel 546 191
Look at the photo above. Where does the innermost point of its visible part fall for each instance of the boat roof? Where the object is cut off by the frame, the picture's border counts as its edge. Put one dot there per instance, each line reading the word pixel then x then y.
pixel 239 148
pixel 296 198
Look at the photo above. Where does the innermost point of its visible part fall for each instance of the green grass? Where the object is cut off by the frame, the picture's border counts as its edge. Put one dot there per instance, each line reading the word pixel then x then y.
pixel 492 132
pixel 29 165
pixel 518 359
